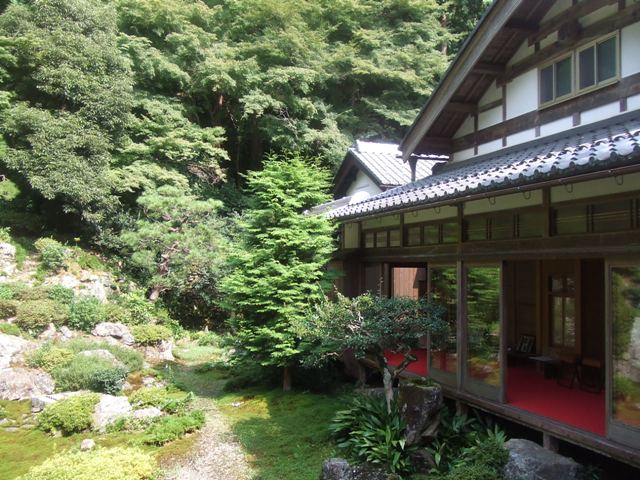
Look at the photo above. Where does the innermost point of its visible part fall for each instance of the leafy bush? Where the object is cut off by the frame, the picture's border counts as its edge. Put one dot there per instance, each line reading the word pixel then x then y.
pixel 10 329
pixel 624 387
pixel 148 397
pixel 8 309
pixel 455 433
pixel 32 293
pixel 89 373
pixel 167 429
pixel 48 357
pixel 70 415
pixel 3 412
pixel 134 309
pixel 105 464
pixel 5 235
pixel 150 334
pixel 131 358
pixel 207 339
pixel 35 315
pixel 85 313
pixel 52 253
pixel 8 291
pixel 484 460
pixel 60 294
pixel 366 432
pixel 177 405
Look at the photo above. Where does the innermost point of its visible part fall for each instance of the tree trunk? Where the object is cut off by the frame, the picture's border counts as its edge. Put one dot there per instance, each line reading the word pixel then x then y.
pixel 387 381
pixel 286 379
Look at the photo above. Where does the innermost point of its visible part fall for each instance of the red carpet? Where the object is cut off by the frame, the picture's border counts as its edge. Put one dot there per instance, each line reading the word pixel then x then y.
pixel 419 367
pixel 527 389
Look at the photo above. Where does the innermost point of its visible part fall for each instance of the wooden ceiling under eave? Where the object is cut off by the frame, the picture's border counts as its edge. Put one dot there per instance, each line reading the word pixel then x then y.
pixel 491 65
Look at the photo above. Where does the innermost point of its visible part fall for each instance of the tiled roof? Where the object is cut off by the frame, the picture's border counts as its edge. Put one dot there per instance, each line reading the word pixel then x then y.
pixel 382 160
pixel 597 147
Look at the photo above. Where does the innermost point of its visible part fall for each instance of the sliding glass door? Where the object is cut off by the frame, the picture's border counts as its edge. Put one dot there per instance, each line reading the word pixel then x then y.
pixel 443 351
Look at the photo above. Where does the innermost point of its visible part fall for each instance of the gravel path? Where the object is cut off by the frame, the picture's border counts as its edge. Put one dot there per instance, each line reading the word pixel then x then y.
pixel 217 455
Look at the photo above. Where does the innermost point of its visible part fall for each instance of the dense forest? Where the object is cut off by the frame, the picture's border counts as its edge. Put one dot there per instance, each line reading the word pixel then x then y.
pixel 130 124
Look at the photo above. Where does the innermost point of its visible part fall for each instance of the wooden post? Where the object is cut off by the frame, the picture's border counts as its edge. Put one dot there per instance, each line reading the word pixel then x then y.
pixel 549 442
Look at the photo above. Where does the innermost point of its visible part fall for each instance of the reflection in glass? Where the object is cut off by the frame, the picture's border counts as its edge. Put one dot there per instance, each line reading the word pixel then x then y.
pixel 431 234
pixel 443 344
pixel 368 240
pixel 625 302
pixel 394 238
pixel 381 239
pixel 413 236
pixel 450 232
pixel 607 65
pixel 483 320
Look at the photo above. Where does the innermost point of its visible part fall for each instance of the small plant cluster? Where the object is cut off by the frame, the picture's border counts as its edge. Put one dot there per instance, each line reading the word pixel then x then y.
pixel 166 429
pixel 10 329
pixel 105 464
pixel 150 334
pixel 52 253
pixel 368 433
pixel 69 416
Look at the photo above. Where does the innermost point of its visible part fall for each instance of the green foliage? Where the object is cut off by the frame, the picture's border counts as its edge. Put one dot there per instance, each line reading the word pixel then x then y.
pixel 52 253
pixel 9 291
pixel 150 334
pixel 117 463
pixel 3 412
pixel 85 313
pixel 8 309
pixel 60 294
pixel 148 397
pixel 131 358
pixel 368 433
pixel 35 315
pixel 169 428
pixel 48 357
pixel 483 460
pixel 207 339
pixel 9 328
pixel 89 373
pixel 5 235
pixel 279 265
pixel 70 415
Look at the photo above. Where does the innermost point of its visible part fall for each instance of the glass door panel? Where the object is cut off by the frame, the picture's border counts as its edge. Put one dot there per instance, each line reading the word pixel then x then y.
pixel 624 396
pixel 483 331
pixel 443 354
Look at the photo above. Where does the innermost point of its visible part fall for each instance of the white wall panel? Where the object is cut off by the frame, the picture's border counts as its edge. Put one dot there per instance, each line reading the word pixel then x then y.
pixel 633 102
pixel 600 113
pixel 521 137
pixel 629 50
pixel 490 147
pixel 463 155
pixel 492 94
pixel 557 126
pixel 490 117
pixel 363 183
pixel 522 94
pixel 466 127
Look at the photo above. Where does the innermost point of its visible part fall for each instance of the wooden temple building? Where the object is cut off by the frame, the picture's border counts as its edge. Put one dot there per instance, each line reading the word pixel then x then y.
pixel 529 233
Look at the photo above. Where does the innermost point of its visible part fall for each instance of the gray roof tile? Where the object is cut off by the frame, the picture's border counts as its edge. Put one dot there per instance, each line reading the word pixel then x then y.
pixel 592 148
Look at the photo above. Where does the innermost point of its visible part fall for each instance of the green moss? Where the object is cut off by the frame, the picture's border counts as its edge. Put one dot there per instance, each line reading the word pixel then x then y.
pixel 68 416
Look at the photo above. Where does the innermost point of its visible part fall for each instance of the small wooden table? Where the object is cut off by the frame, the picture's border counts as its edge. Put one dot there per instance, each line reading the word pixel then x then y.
pixel 549 365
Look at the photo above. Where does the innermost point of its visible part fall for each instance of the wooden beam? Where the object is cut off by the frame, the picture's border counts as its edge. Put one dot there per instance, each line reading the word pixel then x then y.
pixel 463 107
pixel 435 145
pixel 489 68
pixel 571 14
pixel 629 15
pixel 524 26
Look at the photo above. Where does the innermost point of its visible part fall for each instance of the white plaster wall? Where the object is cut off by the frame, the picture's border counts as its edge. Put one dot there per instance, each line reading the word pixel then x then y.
pixel 492 94
pixel 466 127
pixel 463 155
pixel 598 15
pixel 363 183
pixel 490 117
pixel 557 126
pixel 489 147
pixel 629 50
pixel 523 52
pixel 558 6
pixel 600 113
pixel 522 94
pixel 521 137
pixel 549 39
pixel 633 102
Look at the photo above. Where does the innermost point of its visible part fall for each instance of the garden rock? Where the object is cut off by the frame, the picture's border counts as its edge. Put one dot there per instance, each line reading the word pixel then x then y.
pixel 150 381
pixel 149 412
pixel 419 406
pixel 7 260
pixel 339 469
pixel 160 352
pixel 109 409
pixel 39 402
pixel 103 354
pixel 84 283
pixel 10 345
pixel 117 331
pixel 87 444
pixel 530 461
pixel 23 383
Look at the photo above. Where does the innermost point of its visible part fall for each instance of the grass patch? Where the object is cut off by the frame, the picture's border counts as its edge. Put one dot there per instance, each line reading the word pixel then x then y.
pixel 196 353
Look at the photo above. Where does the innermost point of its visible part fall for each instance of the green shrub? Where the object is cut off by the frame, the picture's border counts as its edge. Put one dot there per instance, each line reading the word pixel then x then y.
pixel 207 339
pixel 32 293
pixel 70 415
pixel 150 334
pixel 367 433
pixel 167 429
pixel 88 261
pixel 131 358
pixel 52 253
pixel 484 460
pixel 105 464
pixel 85 313
pixel 89 373
pixel 10 329
pixel 5 235
pixel 9 291
pixel 8 309
pixel 148 397
pixel 177 405
pixel 60 294
pixel 35 315
pixel 136 309
pixel 48 357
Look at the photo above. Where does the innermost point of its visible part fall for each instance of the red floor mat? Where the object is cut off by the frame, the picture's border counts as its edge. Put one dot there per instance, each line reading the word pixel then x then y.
pixel 419 367
pixel 529 390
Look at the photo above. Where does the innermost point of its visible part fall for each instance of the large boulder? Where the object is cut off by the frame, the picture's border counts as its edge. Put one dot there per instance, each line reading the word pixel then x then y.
pixel 163 351
pixel 10 346
pixel 147 413
pixel 109 409
pixel 39 402
pixel 117 331
pixel 7 260
pixel 24 383
pixel 530 461
pixel 419 406
pixel 84 284
pixel 339 469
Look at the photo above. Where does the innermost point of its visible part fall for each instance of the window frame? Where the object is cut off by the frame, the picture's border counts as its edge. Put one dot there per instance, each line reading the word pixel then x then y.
pixel 440 226
pixel 553 63
pixel 594 44
pixel 375 233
